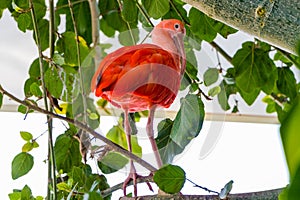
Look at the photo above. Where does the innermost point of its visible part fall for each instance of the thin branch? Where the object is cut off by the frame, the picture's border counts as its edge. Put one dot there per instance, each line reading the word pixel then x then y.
pixel 51 172
pixel 178 13
pixel 52 164
pixel 288 56
pixel 141 9
pixel 95 21
pixel 268 194
pixel 95 30
pixel 201 187
pixel 85 143
pixel 221 51
pixel 82 126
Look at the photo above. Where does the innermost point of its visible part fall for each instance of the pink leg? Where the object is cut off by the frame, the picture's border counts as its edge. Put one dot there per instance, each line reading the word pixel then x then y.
pixel 150 133
pixel 132 174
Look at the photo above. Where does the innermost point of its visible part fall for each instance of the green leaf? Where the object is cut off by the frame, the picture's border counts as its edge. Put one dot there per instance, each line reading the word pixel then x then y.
pixel 112 162
pixel 67 152
pixel 106 28
pixel 53 82
pixel 191 65
pixel 291 139
pixel 286 82
pixel 250 97
pixel 223 29
pixel 26 136
pixel 226 190
pixel 21 165
pixel 22 109
pixel 115 20
pixel 167 148
pixel 118 136
pixel 129 11
pixel 130 37
pixel 43 28
pixel 170 179
pixel 226 91
pixel 67 45
pixel 5 4
pixel 62 186
pixel 35 144
pixel 214 91
pixel 35 90
pixel 82 17
pixel 202 25
pixel 28 146
pixel 26 193
pixel 289 131
pixel 210 76
pixel 252 68
pixel 27 85
pixel 1 99
pixel 188 121
pixel 16 195
pixel 34 70
pixel 156 8
pixel 24 21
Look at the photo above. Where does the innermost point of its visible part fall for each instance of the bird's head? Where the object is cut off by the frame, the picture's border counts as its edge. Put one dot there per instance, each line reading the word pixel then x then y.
pixel 169 34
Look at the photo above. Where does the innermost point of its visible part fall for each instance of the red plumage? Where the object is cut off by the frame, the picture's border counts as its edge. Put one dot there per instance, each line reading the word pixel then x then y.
pixel 138 77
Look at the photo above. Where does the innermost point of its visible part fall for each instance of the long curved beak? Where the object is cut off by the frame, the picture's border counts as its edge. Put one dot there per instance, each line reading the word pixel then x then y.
pixel 178 40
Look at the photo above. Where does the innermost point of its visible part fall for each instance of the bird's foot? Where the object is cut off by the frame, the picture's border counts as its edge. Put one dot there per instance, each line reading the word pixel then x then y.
pixel 133 176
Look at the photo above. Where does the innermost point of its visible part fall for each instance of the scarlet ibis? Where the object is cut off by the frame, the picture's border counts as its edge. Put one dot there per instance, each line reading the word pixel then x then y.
pixel 143 77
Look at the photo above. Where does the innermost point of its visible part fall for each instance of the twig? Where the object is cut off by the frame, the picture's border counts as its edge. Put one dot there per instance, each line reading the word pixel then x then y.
pixel 82 126
pixel 221 51
pixel 288 56
pixel 144 13
pixel 203 188
pixel 178 13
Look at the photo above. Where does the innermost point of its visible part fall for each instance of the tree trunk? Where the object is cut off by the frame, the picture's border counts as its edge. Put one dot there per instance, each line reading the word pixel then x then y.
pixel 276 22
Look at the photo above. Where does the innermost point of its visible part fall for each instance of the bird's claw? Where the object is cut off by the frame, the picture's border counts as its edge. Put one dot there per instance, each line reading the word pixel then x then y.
pixel 133 177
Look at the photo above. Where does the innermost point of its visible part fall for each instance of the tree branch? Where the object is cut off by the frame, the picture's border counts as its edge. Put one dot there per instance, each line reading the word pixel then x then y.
pixel 82 126
pixel 261 19
pixel 268 194
pixel 221 51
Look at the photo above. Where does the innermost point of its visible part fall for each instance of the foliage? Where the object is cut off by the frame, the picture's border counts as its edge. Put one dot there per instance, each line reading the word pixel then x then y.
pixel 62 73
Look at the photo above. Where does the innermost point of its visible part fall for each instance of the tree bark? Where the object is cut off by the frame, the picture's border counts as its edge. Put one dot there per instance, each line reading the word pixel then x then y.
pixel 269 194
pixel 276 22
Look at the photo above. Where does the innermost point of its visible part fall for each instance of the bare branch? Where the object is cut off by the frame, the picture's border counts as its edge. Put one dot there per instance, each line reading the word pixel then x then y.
pixel 82 126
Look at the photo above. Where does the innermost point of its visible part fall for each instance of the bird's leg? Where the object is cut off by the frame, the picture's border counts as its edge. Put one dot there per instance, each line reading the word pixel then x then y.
pixel 150 133
pixel 132 174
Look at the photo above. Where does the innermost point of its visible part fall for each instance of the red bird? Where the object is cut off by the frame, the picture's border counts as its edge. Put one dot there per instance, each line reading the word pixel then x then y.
pixel 143 77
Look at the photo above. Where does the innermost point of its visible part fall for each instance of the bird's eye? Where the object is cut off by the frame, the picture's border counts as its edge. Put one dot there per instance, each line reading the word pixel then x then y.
pixel 176 26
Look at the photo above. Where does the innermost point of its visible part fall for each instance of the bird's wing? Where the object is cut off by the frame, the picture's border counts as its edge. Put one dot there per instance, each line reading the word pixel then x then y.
pixel 143 70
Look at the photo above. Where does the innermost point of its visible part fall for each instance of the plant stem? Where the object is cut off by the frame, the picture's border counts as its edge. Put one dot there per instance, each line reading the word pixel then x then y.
pixel 221 51
pixel 52 31
pixel 51 166
pixel 84 138
pixel 82 126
